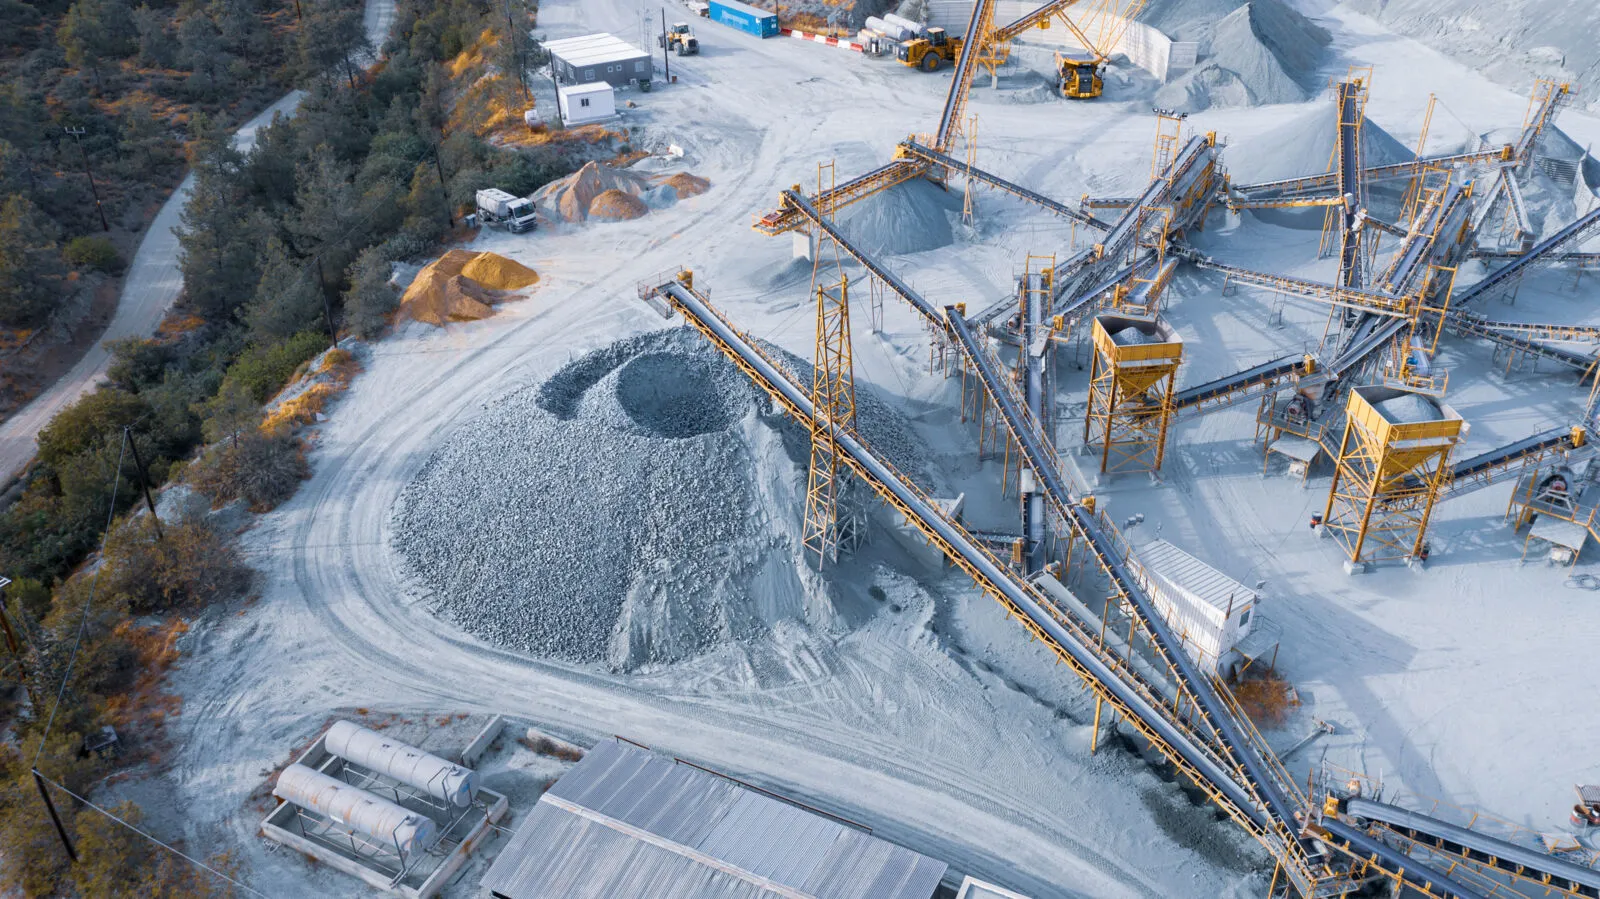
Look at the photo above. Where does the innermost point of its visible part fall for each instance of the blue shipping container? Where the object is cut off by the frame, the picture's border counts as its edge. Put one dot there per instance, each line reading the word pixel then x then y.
pixel 758 22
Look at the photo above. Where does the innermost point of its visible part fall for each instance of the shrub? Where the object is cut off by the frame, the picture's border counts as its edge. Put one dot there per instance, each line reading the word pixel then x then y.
pixel 262 370
pixel 262 469
pixel 189 567
pixel 93 252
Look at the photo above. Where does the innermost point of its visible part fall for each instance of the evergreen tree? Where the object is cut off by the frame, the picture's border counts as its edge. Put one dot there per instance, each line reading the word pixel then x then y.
pixel 31 269
pixel 288 298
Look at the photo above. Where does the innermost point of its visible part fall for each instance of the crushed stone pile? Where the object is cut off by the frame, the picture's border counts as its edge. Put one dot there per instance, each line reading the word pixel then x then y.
pixel 604 193
pixel 639 507
pixel 1303 145
pixel 912 217
pixel 1261 53
pixel 1514 43
pixel 463 286
pixel 1409 409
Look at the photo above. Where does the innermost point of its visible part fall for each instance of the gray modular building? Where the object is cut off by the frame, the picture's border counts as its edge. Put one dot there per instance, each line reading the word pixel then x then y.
pixel 598 57
pixel 625 821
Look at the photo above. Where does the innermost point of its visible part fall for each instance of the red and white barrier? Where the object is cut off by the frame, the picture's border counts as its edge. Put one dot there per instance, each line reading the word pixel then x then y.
pixel 824 39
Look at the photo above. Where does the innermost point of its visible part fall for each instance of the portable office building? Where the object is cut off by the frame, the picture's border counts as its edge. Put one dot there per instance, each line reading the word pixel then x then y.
pixel 598 57
pixel 1209 611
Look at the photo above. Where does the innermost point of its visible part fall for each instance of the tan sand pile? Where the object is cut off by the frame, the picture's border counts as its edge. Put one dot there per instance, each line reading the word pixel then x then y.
pixel 496 272
pixel 569 199
pixel 616 206
pixel 687 185
pixel 463 286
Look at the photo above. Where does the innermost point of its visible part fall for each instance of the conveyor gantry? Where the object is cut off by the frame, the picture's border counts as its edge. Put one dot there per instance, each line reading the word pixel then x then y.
pixel 1262 808
pixel 785 218
pixel 1347 152
pixel 1360 299
pixel 1484 469
pixel 1520 862
pixel 912 148
pixel 966 66
pixel 1472 327
pixel 1327 182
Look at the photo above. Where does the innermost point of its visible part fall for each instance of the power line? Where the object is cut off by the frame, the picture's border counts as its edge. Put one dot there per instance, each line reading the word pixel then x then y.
pixel 83 622
pixel 172 849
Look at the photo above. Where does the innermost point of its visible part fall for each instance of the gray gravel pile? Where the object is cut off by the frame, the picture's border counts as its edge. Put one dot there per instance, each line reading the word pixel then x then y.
pixel 908 218
pixel 1261 53
pixel 637 508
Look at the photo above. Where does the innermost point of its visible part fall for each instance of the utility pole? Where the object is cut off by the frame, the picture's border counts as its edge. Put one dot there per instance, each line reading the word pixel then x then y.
pixel 144 483
pixel 12 643
pixel 666 51
pixel 327 308
pixel 444 191
pixel 66 843
pixel 77 134
pixel 516 54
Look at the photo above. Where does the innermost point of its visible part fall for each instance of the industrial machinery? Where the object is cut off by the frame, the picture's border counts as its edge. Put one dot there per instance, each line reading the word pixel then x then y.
pixel 1078 75
pixel 680 40
pixel 935 48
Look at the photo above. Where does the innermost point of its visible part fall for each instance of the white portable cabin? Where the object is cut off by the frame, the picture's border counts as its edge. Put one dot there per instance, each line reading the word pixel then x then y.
pixel 1209 611
pixel 583 103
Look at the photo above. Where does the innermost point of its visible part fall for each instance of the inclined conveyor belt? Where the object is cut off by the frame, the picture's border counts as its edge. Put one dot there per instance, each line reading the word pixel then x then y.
pixel 1328 181
pixel 961 82
pixel 977 174
pixel 1349 184
pixel 1521 264
pixel 1569 358
pixel 1538 444
pixel 1238 382
pixel 809 212
pixel 1368 339
pixel 1481 848
pixel 1050 480
pixel 1386 856
pixel 958 543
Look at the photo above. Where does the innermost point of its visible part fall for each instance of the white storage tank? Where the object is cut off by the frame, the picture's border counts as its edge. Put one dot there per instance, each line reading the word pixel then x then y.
pixel 409 765
pixel 1209 611
pixel 915 28
pixel 356 809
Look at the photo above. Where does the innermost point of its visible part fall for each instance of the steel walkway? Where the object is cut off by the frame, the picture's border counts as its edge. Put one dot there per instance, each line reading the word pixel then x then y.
pixel 1484 469
pixel 1234 388
pixel 1480 848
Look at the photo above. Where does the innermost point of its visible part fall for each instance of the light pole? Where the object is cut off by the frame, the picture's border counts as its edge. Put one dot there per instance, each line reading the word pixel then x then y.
pixel 77 134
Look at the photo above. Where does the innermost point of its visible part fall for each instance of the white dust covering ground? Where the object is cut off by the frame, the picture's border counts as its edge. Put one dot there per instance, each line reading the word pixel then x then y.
pixel 926 713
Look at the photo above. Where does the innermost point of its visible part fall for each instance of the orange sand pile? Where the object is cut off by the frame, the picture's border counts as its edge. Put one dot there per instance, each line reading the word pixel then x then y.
pixel 687 185
pixel 463 286
pixel 616 206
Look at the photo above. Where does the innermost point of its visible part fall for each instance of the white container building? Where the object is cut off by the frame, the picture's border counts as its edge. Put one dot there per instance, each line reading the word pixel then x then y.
pixel 584 103
pixel 1209 611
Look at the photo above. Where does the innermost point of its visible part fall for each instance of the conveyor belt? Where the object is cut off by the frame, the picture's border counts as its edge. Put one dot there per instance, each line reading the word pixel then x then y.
pixel 804 208
pixel 1359 845
pixel 961 83
pixel 785 219
pixel 1519 209
pixel 1480 470
pixel 1231 389
pixel 1505 255
pixel 1327 181
pixel 1020 598
pixel 1499 277
pixel 1048 475
pixel 1358 298
pixel 1464 324
pixel 949 162
pixel 1542 330
pixel 1482 849
pixel 1370 337
pixel 1348 152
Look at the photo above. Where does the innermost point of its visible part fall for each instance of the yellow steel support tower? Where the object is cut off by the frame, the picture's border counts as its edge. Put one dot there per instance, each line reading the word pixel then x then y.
pixel 833 399
pixel 1131 379
pixel 1392 462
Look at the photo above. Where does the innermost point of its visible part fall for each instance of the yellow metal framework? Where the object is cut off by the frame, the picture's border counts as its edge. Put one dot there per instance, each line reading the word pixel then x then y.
pixel 833 409
pixel 1131 384
pixel 1389 472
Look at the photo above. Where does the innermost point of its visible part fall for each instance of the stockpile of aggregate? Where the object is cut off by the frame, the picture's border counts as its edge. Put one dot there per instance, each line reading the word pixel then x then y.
pixel 1513 41
pixel 1261 53
pixel 637 508
pixel 1303 145
pixel 605 193
pixel 911 217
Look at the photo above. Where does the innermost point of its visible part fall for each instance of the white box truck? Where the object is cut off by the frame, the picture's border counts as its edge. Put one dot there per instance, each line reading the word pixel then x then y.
pixel 500 209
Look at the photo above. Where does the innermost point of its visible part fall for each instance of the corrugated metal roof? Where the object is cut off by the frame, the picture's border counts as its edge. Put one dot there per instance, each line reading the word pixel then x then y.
pixel 594 49
pixel 1194 577
pixel 625 821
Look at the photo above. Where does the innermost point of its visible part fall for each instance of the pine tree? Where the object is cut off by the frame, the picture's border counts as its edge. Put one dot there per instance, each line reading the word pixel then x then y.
pixel 31 269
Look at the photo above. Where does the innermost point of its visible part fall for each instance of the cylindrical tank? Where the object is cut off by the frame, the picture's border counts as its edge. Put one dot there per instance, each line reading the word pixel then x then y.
pixel 914 27
pixel 408 764
pixel 893 30
pixel 356 809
